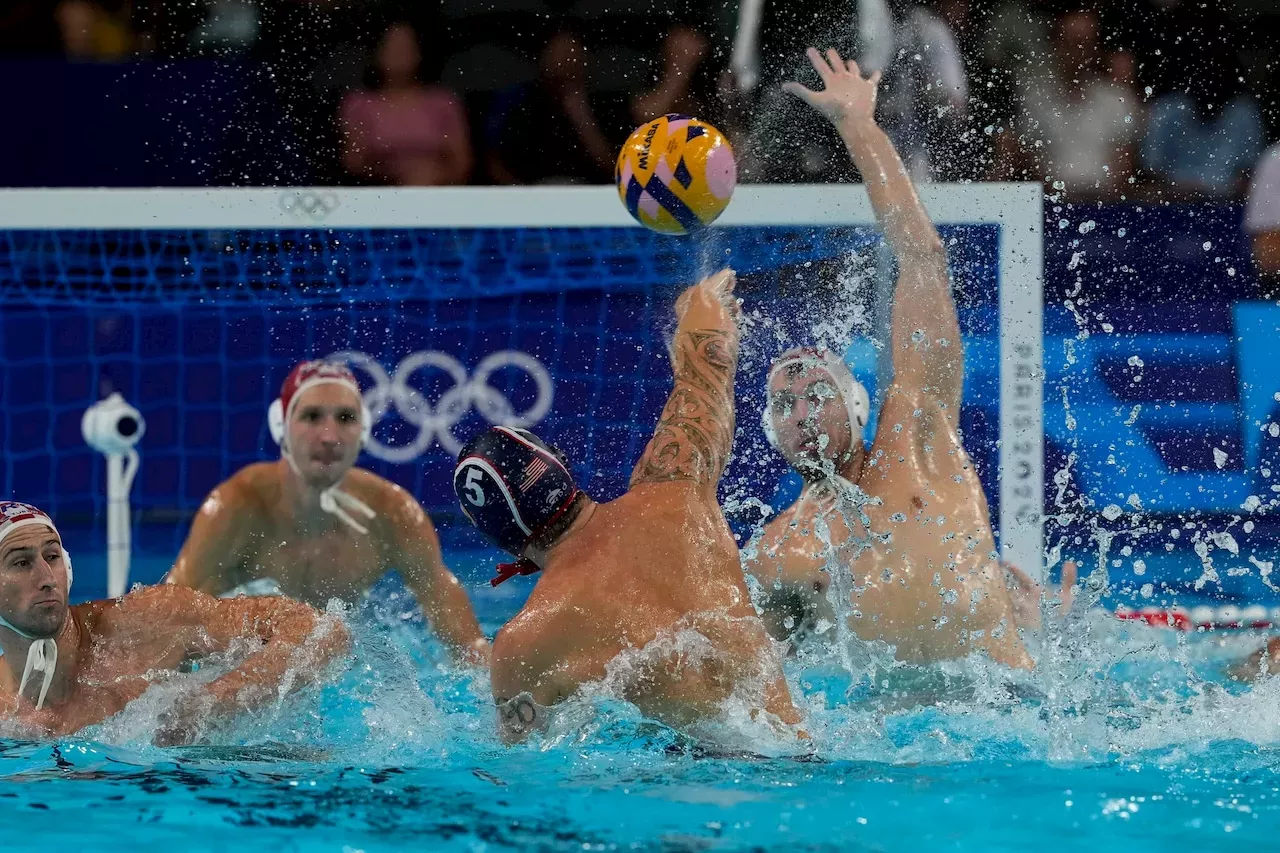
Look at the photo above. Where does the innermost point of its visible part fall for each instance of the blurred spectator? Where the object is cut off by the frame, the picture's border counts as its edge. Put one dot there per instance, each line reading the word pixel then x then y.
pixel 1206 134
pixel 1076 124
pixel 90 31
pixel 1014 37
pixel 923 101
pixel 547 131
pixel 1262 218
pixel 785 141
pixel 400 131
pixel 647 60
pixel 683 51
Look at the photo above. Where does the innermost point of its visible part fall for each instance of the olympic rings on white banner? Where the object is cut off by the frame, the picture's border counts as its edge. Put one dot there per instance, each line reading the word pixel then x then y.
pixel 309 204
pixel 436 423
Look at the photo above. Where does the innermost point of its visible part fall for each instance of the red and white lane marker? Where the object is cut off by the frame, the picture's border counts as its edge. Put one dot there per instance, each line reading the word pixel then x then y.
pixel 1204 617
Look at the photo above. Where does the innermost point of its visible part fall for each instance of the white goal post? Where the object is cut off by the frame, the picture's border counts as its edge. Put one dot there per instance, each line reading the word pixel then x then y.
pixel 1016 208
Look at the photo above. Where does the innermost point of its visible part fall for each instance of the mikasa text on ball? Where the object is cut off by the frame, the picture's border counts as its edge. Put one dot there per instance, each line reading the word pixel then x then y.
pixel 676 174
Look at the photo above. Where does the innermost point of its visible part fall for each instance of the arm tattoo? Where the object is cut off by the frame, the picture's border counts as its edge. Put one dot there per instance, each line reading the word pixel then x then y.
pixel 520 715
pixel 695 433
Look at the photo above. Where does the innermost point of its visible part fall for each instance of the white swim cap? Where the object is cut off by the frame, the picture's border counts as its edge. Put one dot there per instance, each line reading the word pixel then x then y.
pixel 42 656
pixel 308 374
pixel 856 400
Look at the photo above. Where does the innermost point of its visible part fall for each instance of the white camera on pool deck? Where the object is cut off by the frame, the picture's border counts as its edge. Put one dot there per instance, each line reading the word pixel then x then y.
pixel 112 425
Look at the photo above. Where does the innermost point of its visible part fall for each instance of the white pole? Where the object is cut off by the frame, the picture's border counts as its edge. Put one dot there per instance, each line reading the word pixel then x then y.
pixel 113 428
pixel 1022 381
pixel 120 471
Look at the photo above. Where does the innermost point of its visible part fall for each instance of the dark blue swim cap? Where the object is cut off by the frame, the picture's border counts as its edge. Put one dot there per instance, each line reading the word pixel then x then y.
pixel 513 486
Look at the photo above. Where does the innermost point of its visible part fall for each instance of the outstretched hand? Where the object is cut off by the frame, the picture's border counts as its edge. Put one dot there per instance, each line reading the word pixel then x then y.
pixel 848 95
pixel 1026 593
pixel 710 304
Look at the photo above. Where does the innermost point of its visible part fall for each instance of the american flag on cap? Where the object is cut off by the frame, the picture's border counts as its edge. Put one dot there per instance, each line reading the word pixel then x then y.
pixel 533 473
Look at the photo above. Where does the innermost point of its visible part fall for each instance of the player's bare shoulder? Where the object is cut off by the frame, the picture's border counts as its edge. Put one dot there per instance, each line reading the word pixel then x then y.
pixel 383 496
pixel 247 494
pixel 398 511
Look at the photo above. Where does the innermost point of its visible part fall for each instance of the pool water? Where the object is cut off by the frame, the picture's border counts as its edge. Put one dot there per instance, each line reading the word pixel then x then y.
pixel 1128 737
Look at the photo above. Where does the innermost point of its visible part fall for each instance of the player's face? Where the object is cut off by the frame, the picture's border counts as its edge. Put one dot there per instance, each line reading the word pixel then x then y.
pixel 33 581
pixel 810 419
pixel 324 433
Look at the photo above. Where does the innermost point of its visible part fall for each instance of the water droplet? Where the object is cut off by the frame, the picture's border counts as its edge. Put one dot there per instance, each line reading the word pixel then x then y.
pixel 1226 542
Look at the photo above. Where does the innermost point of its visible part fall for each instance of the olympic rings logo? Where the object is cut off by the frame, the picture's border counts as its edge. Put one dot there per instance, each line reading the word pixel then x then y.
pixel 436 423
pixel 309 204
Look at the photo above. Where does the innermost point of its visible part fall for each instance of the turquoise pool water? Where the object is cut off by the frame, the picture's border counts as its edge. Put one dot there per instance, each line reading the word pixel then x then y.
pixel 1127 738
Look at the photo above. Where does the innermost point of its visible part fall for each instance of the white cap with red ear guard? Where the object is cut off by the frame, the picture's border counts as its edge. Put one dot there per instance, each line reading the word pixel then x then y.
pixel 42 655
pixel 308 374
pixel 854 394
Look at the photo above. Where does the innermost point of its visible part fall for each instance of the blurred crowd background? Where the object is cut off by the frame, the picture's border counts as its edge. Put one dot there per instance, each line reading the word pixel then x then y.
pixel 1141 99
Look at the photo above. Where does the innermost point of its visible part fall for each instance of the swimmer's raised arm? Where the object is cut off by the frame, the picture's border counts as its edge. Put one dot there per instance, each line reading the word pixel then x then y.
pixel 927 354
pixel 221 536
pixel 443 600
pixel 695 432
pixel 298 643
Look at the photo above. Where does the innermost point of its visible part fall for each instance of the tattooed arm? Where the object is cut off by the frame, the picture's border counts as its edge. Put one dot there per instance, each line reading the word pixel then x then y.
pixel 520 717
pixel 524 681
pixel 695 433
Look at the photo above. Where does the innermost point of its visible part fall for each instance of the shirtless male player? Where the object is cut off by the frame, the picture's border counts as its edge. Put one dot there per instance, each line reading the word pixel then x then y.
pixel 925 575
pixel 83 664
pixel 315 526
pixel 645 592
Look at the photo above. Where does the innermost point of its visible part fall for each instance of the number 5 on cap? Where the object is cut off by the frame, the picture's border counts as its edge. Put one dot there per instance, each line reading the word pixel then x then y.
pixel 471 485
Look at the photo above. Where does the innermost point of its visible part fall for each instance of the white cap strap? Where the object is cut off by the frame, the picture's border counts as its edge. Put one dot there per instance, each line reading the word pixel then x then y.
pixel 336 502
pixel 42 656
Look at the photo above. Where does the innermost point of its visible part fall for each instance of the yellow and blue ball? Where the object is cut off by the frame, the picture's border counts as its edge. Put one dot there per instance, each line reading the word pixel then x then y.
pixel 676 174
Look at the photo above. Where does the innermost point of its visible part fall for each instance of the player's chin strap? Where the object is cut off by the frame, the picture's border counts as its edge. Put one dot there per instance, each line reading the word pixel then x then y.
pixel 507 571
pixel 42 656
pixel 336 502
pixel 523 565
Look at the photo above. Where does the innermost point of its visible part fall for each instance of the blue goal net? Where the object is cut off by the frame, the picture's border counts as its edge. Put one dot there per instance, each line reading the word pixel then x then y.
pixel 561 329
